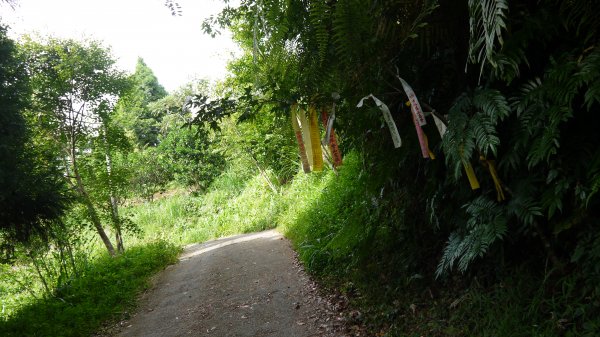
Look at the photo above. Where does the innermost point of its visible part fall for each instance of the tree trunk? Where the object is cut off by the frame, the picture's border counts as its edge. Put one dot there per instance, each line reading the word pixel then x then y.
pixel 114 206
pixel 90 206
pixel 117 224
pixel 97 223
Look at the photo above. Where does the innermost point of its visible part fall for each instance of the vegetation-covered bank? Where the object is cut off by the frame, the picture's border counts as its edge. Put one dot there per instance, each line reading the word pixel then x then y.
pixel 348 234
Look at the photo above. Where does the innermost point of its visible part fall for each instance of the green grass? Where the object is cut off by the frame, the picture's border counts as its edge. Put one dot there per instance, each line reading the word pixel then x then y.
pixel 105 290
pixel 235 203
pixel 326 215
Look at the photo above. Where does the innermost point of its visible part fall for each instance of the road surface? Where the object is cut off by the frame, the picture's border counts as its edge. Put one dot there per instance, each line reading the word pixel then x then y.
pixel 246 285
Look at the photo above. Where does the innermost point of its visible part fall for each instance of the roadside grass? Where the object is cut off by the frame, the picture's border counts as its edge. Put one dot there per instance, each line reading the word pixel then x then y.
pixel 237 202
pixel 325 215
pixel 105 289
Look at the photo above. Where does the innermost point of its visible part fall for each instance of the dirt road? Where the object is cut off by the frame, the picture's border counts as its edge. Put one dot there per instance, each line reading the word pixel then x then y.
pixel 247 285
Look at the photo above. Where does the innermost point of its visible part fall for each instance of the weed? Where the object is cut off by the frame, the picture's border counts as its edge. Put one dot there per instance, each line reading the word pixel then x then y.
pixel 106 290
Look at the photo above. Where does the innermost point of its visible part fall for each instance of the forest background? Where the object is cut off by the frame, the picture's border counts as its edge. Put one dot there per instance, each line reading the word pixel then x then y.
pixel 482 224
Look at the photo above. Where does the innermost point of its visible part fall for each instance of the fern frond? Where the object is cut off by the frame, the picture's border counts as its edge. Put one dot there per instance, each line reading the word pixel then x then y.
pixel 552 198
pixel 458 142
pixel 592 95
pixel 511 160
pixel 350 22
pixel 593 179
pixel 543 147
pixel 484 131
pixel 581 18
pixel 589 74
pixel 492 103
pixel 486 225
pixel 525 208
pixel 319 17
pixel 453 250
pixel 486 24
pixel 465 133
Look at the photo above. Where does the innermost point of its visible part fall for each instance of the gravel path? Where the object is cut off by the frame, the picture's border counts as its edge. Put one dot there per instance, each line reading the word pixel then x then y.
pixel 247 285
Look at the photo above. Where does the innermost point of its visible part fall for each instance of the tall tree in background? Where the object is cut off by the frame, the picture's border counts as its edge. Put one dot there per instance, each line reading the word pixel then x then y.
pixel 133 112
pixel 74 86
pixel 32 192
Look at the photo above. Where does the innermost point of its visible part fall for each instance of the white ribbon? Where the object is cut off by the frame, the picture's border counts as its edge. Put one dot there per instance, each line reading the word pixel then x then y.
pixel 388 118
pixel 415 107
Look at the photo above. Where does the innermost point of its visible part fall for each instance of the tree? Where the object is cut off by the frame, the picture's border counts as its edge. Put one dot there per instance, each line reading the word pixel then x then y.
pixel 193 160
pixel 105 170
pixel 150 172
pixel 75 86
pixel 32 192
pixel 133 112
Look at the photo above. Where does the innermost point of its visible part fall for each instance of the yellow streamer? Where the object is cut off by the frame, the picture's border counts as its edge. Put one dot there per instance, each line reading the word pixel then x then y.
pixel 306 135
pixel 471 175
pixel 491 165
pixel 298 134
pixel 315 139
pixel 431 154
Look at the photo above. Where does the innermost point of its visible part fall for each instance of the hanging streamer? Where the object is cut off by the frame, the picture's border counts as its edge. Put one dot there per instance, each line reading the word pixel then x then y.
pixel 306 135
pixel 315 140
pixel 388 118
pixel 331 140
pixel 431 154
pixel 424 143
pixel 298 133
pixel 491 165
pixel 418 117
pixel 471 175
pixel 422 138
pixel 414 103
pixel 441 126
pixel 328 124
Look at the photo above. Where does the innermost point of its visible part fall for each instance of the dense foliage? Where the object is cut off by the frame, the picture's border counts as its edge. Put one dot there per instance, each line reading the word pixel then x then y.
pixel 32 193
pixel 133 111
pixel 523 101
pixel 67 167
pixel 192 159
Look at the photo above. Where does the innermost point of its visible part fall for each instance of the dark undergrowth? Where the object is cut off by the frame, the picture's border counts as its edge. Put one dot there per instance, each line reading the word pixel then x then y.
pixel 358 235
